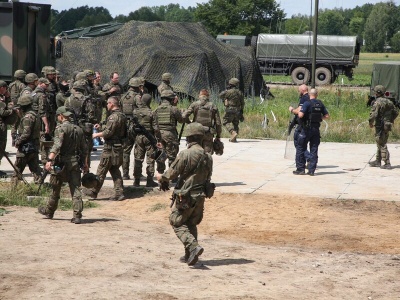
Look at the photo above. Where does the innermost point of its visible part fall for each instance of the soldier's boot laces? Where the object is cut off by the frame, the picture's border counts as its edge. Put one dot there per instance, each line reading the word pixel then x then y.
pixel 233 136
pixel 375 163
pixel 136 183
pixel 150 182
pixel 42 210
pixel 184 259
pixel 386 166
pixel 194 255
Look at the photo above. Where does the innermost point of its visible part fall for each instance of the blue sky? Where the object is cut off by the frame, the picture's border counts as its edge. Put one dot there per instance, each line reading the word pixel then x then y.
pixel 117 7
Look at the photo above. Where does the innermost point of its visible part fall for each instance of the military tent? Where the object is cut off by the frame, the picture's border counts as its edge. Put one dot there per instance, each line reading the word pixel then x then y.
pixel 186 50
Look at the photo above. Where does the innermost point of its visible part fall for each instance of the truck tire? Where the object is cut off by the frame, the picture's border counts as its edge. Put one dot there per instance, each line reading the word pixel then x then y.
pixel 322 76
pixel 300 75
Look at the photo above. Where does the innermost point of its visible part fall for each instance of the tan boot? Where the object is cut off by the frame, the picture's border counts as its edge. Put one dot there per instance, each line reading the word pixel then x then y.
pixel 233 136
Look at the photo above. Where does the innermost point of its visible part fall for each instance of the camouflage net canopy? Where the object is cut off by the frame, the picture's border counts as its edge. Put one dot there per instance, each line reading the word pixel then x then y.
pixel 186 50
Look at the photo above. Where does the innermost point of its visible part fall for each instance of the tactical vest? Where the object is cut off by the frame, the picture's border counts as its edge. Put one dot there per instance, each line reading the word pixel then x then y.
pixel 233 97
pixel 145 117
pixel 72 135
pixel 164 117
pixel 129 102
pixel 76 102
pixel 205 115
pixel 316 111
pixel 15 89
pixel 35 133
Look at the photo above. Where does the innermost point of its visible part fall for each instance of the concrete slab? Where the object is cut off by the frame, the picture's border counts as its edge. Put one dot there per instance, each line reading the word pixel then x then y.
pixel 259 167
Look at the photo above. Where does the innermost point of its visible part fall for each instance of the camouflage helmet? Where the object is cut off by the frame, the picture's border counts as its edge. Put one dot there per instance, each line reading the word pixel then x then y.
pixel 25 100
pixel 135 82
pixel 146 99
pixel 80 76
pixel 48 70
pixel 195 128
pixel 233 81
pixel 90 180
pixel 19 74
pixel 380 89
pixel 218 147
pixel 31 78
pixel 166 76
pixel 79 85
pixel 89 73
pixel 3 83
pixel 168 94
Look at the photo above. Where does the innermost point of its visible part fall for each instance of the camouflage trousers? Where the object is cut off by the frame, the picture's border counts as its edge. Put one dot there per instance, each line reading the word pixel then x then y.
pixel 14 128
pixel 382 152
pixel 32 160
pixel 169 140
pixel 3 139
pixel 143 149
pixel 72 175
pixel 184 222
pixel 126 161
pixel 231 121
pixel 111 161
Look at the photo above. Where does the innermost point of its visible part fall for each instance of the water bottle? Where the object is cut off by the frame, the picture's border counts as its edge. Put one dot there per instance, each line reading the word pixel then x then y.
pixel 96 141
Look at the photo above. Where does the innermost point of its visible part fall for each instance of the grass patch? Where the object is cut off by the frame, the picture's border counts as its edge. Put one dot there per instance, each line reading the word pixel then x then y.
pixel 18 196
pixel 157 206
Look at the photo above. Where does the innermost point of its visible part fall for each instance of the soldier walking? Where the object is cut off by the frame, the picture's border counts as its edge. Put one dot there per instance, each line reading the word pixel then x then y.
pixel 113 133
pixel 68 153
pixel 194 167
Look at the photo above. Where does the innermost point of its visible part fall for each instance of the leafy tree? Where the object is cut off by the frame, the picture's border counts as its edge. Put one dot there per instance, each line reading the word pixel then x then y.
pixel 242 17
pixel 330 22
pixel 297 25
pixel 376 28
pixel 356 26
pixel 395 42
pixel 144 13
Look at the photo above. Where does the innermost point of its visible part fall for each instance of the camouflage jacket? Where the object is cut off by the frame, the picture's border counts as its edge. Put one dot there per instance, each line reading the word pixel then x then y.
pixel 167 116
pixel 15 88
pixel 26 91
pixel 40 102
pixel 5 111
pixel 52 91
pixel 29 129
pixel 82 107
pixel 187 165
pixel 108 86
pixel 114 131
pixel 233 98
pixel 61 98
pixel 164 86
pixel 382 111
pixel 129 102
pixel 69 141
pixel 206 113
pixel 145 117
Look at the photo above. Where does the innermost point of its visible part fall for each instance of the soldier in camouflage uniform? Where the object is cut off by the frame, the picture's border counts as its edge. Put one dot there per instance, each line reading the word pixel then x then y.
pixel 165 84
pixel 5 111
pixel 68 152
pixel 206 113
pixel 234 105
pixel 167 115
pixel 63 93
pixel 112 88
pixel 50 74
pixel 100 103
pixel 382 115
pixel 143 146
pixel 129 103
pixel 84 112
pixel 27 141
pixel 113 133
pixel 194 167
pixel 15 88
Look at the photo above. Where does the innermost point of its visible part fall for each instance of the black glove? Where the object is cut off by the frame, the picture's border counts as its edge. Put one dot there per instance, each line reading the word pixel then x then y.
pixel 164 186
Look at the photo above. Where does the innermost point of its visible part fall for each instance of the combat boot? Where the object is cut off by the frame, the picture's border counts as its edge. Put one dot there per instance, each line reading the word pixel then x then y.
pixel 233 136
pixel 194 255
pixel 76 220
pixel 136 183
pixel 42 210
pixel 117 198
pixel 375 163
pixel 386 166
pixel 150 182
pixel 184 259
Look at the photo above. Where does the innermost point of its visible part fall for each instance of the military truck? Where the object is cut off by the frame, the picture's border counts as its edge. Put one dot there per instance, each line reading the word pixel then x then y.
pixel 25 41
pixel 386 73
pixel 291 54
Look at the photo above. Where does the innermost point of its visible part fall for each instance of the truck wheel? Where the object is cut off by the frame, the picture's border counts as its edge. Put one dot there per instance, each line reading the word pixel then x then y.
pixel 322 76
pixel 300 75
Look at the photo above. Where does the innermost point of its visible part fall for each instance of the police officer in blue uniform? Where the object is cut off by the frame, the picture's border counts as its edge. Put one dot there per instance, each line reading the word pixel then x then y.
pixel 311 115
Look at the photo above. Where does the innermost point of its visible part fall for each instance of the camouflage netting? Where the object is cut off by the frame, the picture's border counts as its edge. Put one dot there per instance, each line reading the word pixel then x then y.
pixel 186 50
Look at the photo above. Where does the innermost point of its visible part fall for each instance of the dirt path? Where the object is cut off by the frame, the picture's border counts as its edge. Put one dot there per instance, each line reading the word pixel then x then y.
pixel 256 247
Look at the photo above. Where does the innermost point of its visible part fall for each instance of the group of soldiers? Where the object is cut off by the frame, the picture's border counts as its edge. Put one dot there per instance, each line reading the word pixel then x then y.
pixel 60 119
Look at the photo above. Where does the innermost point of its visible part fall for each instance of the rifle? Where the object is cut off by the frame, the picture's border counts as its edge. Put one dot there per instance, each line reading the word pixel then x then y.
pixel 42 179
pixel 20 177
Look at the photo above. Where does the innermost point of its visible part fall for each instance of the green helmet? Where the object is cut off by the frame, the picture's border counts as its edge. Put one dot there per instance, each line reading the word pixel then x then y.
pixel 25 100
pixel 168 94
pixel 79 85
pixel 233 81
pixel 90 180
pixel 31 78
pixel 48 70
pixel 195 128
pixel 135 82
pixel 89 73
pixel 166 76
pixel 80 76
pixel 3 83
pixel 380 89
pixel 146 99
pixel 20 74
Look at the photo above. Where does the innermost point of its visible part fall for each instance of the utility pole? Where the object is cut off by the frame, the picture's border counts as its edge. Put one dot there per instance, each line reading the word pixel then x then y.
pixel 314 47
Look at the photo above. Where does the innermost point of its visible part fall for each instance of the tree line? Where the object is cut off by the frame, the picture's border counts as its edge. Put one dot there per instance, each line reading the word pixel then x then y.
pixel 377 24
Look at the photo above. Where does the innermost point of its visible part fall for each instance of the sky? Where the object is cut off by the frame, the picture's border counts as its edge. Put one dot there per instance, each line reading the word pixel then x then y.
pixel 124 7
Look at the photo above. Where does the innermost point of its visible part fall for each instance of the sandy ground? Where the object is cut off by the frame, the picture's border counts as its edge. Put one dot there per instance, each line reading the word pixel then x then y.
pixel 256 247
